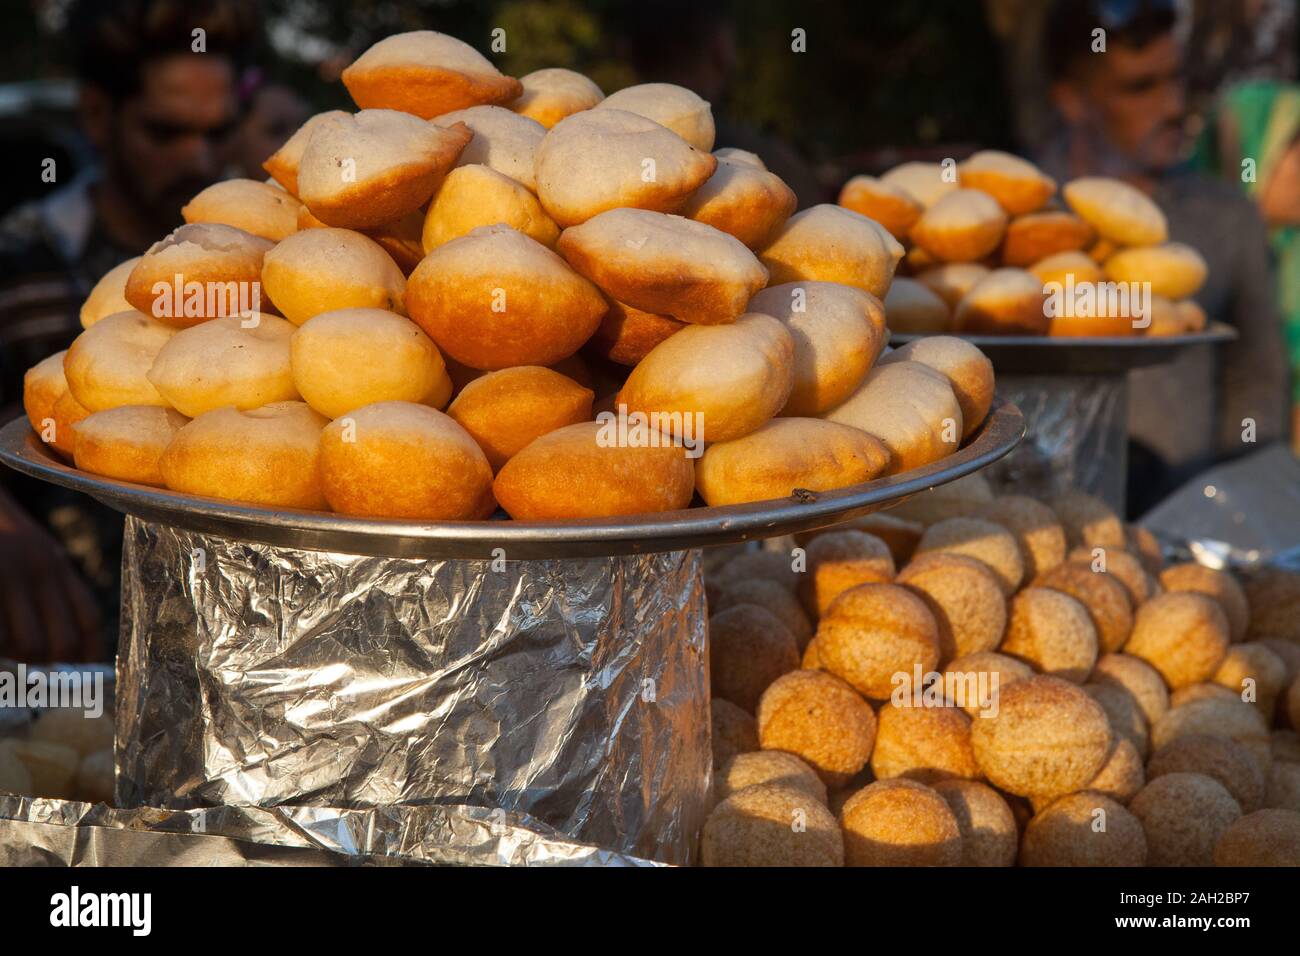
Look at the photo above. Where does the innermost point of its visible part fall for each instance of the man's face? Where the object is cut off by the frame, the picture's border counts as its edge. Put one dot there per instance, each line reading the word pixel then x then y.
pixel 1134 99
pixel 172 139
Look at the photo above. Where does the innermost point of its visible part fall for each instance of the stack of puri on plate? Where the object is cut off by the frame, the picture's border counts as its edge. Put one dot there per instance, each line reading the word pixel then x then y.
pixel 477 291
pixel 992 249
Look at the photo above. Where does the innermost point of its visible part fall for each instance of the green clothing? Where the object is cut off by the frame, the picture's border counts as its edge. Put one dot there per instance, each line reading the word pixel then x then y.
pixel 1267 119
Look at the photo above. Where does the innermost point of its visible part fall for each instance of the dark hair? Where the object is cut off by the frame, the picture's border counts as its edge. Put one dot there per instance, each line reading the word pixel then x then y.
pixel 1128 23
pixel 114 39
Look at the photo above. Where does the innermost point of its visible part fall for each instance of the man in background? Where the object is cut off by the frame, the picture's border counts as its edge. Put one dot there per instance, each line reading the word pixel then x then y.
pixel 1122 113
pixel 273 112
pixel 157 100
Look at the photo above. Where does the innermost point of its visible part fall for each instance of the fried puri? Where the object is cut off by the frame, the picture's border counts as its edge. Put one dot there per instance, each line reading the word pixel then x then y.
pixel 108 364
pixel 495 298
pixel 785 456
pixel 742 201
pixel 967 369
pixel 363 170
pixel 838 333
pixel 912 308
pixel 1117 211
pixel 681 110
pixel 665 264
pixel 1018 185
pixel 348 358
pixel 952 280
pixel 266 456
pixel 283 163
pixel 219 269
pixel 551 94
pixel 240 362
pixel 1005 302
pixel 579 472
pixel 506 410
pixel 963 226
pixel 476 195
pixel 627 334
pixel 398 459
pixel 427 74
pixel 503 141
pixel 888 205
pixel 126 442
pixel 323 270
pixel 833 244
pixel 725 380
pixel 602 159
pixel 108 297
pixel 1174 269
pixel 911 408
pixel 258 208
pixel 1031 239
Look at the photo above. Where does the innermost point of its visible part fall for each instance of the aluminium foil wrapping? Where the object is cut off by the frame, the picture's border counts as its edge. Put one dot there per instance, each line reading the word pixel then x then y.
pixel 572 692
pixel 46 832
pixel 1077 436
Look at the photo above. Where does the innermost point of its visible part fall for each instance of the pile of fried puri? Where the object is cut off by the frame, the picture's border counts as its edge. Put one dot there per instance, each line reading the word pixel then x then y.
pixel 1096 707
pixel 986 237
pixel 460 281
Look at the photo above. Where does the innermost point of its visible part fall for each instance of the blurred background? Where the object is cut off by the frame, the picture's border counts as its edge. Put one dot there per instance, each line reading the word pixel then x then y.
pixel 879 82
pixel 108 124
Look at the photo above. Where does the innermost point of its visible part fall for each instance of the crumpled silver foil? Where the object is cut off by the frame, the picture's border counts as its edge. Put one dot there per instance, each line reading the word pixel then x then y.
pixel 1077 436
pixel 40 832
pixel 1237 515
pixel 571 691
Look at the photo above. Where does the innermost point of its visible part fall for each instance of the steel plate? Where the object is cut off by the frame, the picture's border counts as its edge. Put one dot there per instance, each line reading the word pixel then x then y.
pixel 1041 354
pixel 666 531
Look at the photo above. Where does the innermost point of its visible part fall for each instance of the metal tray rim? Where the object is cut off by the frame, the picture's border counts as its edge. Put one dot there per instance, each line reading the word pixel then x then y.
pixel 22 450
pixel 1214 333
pixel 1104 355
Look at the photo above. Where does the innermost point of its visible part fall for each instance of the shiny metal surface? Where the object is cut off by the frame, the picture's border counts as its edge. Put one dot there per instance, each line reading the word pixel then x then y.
pixel 1077 436
pixel 1034 354
pixel 667 531
pixel 571 692
pixel 47 832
